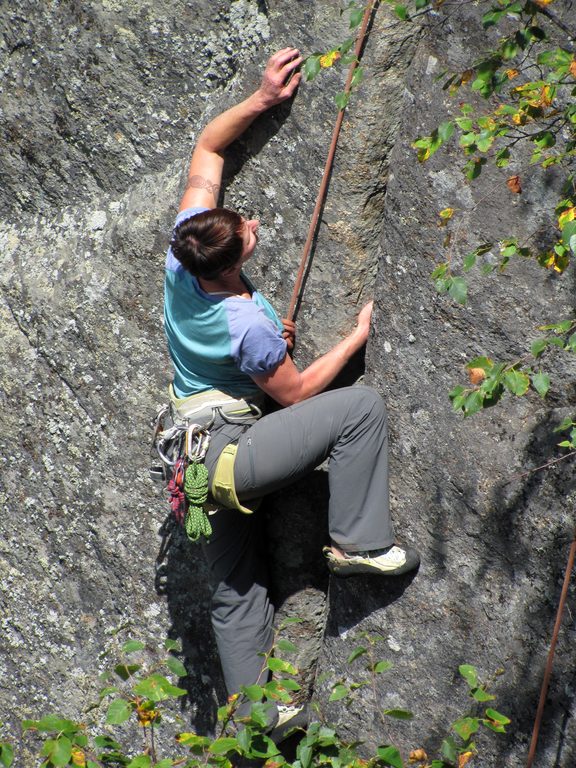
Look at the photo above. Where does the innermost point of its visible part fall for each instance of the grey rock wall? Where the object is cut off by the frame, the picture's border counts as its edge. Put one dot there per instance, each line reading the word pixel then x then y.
pixel 99 106
pixel 494 541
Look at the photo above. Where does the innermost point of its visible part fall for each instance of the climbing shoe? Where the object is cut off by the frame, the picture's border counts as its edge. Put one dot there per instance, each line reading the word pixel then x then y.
pixel 392 561
pixel 290 720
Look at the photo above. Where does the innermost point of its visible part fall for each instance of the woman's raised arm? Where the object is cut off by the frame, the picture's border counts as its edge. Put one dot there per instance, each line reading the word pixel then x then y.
pixel 279 82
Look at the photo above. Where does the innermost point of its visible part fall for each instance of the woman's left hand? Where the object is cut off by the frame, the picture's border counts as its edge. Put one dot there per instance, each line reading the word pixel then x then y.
pixel 289 333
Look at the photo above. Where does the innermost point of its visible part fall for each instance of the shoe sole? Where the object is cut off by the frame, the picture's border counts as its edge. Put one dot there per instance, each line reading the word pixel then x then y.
pixel 357 569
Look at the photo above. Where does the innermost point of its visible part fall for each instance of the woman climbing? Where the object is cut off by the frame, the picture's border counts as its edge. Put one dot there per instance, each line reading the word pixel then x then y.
pixel 229 349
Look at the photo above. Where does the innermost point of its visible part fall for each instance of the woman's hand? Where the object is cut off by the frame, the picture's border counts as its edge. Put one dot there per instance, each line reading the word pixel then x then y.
pixel 280 78
pixel 363 321
pixel 289 333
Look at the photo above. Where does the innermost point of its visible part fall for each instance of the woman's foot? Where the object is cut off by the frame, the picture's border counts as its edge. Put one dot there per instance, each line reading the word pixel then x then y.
pixel 391 561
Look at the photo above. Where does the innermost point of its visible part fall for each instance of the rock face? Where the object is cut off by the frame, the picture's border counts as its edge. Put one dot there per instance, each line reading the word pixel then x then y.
pixel 100 103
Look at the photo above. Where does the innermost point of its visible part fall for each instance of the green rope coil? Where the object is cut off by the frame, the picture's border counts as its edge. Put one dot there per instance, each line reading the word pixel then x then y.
pixel 196 490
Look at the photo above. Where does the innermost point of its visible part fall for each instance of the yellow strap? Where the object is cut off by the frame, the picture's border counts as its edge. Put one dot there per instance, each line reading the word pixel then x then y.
pixel 223 489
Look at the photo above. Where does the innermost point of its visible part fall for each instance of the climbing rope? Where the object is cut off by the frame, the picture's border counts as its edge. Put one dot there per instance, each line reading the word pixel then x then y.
pixel 196 492
pixel 370 9
pixel 548 670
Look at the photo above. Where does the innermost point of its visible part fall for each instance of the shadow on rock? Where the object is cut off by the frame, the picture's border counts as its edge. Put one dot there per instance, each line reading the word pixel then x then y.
pixel 353 599
pixel 181 577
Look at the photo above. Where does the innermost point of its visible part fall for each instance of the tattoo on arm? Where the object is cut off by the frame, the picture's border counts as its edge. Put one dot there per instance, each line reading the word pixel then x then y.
pixel 201 183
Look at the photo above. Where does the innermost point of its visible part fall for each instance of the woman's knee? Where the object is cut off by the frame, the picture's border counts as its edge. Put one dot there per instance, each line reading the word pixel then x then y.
pixel 369 402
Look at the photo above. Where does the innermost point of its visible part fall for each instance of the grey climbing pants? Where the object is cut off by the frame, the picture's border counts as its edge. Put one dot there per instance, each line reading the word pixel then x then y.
pixel 346 426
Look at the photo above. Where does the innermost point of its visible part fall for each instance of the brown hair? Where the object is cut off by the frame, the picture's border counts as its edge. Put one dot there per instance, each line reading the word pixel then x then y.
pixel 208 243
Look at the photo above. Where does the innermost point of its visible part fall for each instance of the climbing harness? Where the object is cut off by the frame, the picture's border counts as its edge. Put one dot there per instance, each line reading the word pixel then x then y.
pixel 181 438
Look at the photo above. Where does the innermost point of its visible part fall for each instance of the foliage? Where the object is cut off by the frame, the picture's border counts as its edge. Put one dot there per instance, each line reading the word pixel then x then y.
pixel 135 691
pixel 342 55
pixel 527 86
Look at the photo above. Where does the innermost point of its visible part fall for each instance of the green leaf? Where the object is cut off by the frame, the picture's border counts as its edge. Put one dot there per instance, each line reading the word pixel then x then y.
pixel 224 745
pixel 399 714
pixel 172 645
pixel 473 403
pixel 538 347
pixel 541 383
pixel 279 665
pixel 342 100
pixel 516 382
pixel 390 756
pixel 497 716
pixel 445 131
pixel 50 723
pixel 339 691
pixel 311 66
pixel 286 645
pixel 564 424
pixel 465 124
pixel 382 666
pixel 158 688
pixel 106 742
pixel 458 289
pixel 458 395
pixel 119 711
pixel 6 754
pixel 359 651
pixel 465 727
pixel 470 674
pixel 357 77
pixel 568 232
pixel 473 167
pixel 356 16
pixel 290 685
pixel 58 751
pixel 402 12
pixel 253 692
pixel 140 761
pixel 125 671
pixel 440 270
pixel 176 666
pixel 193 741
pixel 481 362
pixel 290 620
pixel 346 46
pixel 469 261
pixel 479 694
pixel 449 749
pixel 132 645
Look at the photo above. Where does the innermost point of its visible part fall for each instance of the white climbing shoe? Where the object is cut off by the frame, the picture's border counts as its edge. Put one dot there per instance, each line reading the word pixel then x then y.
pixel 290 719
pixel 392 561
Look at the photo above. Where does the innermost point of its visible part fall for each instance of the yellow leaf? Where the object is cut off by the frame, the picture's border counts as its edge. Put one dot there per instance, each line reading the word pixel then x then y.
pixel 512 73
pixel 566 216
pixel 573 67
pixel 78 758
pixel 446 213
pixel 418 756
pixel 543 3
pixel 519 118
pixel 546 95
pixel 464 758
pixel 329 58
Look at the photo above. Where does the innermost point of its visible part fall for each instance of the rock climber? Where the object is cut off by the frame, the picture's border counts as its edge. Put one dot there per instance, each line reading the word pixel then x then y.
pixel 230 349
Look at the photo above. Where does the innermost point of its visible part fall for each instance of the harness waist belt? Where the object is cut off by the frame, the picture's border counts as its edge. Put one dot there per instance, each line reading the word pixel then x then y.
pixel 200 407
